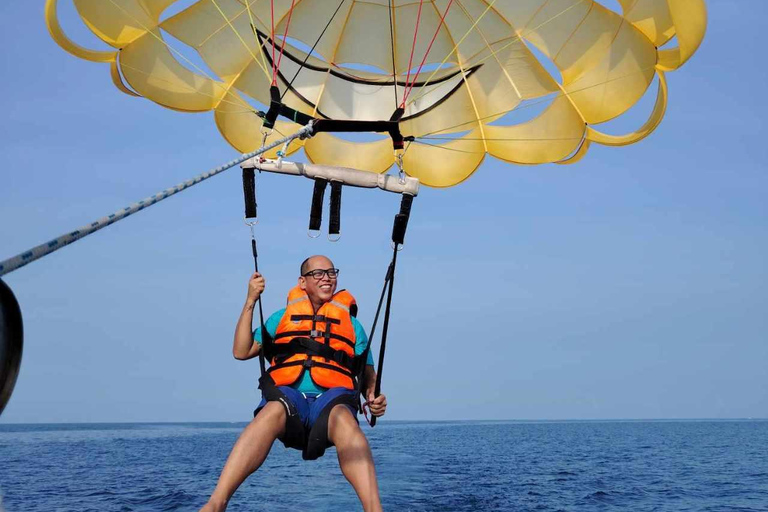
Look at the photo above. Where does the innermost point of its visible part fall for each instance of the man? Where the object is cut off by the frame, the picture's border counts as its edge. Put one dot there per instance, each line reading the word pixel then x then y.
pixel 309 401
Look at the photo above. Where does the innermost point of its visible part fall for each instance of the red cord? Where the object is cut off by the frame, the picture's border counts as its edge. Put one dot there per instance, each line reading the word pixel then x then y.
pixel 272 37
pixel 408 90
pixel 365 409
pixel 282 47
pixel 413 48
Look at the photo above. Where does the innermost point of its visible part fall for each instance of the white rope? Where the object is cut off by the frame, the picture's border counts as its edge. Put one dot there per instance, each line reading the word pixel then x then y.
pixel 41 250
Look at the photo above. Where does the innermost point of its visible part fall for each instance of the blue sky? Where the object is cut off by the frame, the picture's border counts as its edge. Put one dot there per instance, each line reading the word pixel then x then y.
pixel 631 285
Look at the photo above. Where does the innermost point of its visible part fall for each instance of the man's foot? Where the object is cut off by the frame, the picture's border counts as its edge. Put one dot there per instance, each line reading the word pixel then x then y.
pixel 214 506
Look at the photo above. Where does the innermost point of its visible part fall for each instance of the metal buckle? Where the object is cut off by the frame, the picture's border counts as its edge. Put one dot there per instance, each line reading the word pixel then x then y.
pixel 315 334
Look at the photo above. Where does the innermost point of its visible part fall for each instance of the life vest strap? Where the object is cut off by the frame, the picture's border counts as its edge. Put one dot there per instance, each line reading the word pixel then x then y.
pixel 302 345
pixel 316 318
pixel 309 363
pixel 314 334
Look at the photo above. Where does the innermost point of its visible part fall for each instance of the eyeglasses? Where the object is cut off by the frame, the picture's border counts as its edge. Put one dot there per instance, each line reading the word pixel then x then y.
pixel 318 274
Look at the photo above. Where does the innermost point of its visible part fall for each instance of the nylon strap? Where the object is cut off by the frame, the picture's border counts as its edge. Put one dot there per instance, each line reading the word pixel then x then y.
pixel 334 223
pixel 303 345
pixel 384 329
pixel 316 210
pixel 398 236
pixel 249 192
pixel 249 196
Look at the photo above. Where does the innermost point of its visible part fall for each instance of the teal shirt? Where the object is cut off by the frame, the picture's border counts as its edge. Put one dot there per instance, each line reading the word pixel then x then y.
pixel 306 385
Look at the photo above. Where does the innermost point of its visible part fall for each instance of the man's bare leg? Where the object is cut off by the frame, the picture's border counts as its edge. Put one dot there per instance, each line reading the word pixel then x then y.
pixel 355 457
pixel 249 452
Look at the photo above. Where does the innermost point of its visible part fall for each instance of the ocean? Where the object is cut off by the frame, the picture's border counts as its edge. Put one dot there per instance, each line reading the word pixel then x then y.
pixel 422 466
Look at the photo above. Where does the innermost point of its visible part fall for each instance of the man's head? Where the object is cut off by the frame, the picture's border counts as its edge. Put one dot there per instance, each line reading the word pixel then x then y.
pixel 316 280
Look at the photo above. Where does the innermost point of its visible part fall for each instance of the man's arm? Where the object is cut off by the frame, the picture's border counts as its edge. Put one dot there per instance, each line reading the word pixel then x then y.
pixel 378 404
pixel 244 347
pixel 369 380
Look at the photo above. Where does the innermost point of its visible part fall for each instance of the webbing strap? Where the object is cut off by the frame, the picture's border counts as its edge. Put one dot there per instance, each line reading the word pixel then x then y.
pixel 309 363
pixel 334 223
pixel 384 330
pixel 398 236
pixel 401 220
pixel 249 192
pixel 317 318
pixel 318 334
pixel 364 356
pixel 316 210
pixel 249 196
pixel 302 345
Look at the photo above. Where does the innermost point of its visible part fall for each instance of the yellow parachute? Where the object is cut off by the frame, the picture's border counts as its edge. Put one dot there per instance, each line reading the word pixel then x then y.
pixel 455 67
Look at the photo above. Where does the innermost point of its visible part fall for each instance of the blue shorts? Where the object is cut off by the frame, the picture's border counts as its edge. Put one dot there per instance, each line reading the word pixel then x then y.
pixel 310 407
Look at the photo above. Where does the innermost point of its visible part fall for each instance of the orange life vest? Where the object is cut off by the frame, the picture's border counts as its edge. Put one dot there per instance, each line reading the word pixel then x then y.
pixel 323 341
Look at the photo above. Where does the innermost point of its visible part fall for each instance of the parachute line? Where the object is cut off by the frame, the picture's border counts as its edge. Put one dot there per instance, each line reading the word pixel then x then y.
pixel 174 50
pixel 282 46
pixel 507 139
pixel 241 103
pixel 455 47
pixel 413 48
pixel 240 37
pixel 309 53
pixel 438 146
pixel 255 36
pixel 272 37
pixel 534 103
pixel 490 49
pixel 390 8
pixel 493 53
pixel 408 89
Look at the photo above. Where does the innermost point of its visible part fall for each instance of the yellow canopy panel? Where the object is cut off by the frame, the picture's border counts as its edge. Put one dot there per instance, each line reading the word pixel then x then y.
pixel 460 70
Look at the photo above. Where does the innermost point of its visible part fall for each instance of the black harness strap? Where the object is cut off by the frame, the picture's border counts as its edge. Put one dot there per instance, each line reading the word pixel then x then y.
pixel 309 363
pixel 384 329
pixel 249 192
pixel 317 437
pixel 398 236
pixel 364 355
pixel 392 127
pixel 249 196
pixel 301 345
pixel 317 318
pixel 316 210
pixel 334 223
pixel 315 334
pixel 295 434
pixel 401 220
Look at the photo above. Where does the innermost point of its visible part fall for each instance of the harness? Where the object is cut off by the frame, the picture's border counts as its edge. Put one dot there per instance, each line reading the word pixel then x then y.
pixel 322 341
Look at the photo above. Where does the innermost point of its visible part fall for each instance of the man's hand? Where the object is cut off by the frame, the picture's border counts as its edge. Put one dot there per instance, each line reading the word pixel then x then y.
pixel 255 287
pixel 377 405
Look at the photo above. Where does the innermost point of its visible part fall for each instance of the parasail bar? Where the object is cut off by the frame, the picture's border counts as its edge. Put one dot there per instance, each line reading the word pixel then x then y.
pixel 344 175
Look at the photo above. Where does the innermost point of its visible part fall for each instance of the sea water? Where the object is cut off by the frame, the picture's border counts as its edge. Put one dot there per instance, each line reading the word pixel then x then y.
pixel 430 466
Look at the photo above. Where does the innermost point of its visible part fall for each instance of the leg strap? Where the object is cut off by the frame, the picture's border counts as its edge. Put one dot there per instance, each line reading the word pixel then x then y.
pixel 295 434
pixel 317 440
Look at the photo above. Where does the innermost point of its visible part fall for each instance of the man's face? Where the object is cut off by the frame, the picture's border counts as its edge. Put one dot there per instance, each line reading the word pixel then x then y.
pixel 320 290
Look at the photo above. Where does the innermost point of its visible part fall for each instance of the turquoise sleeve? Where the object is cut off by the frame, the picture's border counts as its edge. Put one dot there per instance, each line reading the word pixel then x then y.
pixel 361 340
pixel 271 325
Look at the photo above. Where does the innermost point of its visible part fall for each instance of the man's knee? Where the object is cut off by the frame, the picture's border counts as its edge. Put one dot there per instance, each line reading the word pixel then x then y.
pixel 272 416
pixel 343 427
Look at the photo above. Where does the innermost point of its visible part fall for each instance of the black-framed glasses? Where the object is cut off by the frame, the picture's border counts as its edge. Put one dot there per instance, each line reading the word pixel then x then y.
pixel 318 274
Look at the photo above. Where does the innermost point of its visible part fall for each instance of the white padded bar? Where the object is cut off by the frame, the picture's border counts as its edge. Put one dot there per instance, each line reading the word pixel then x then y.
pixel 345 175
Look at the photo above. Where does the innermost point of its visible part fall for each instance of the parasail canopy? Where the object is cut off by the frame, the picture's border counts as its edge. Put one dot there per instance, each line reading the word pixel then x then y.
pixel 452 74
